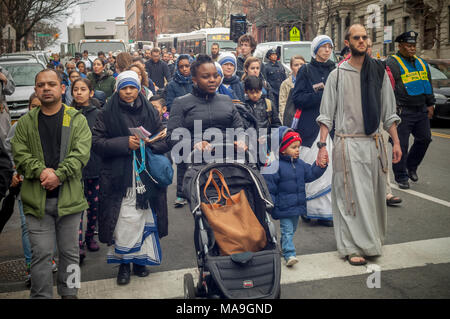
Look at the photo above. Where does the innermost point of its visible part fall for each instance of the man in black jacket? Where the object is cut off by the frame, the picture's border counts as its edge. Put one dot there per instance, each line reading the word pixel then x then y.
pixel 158 70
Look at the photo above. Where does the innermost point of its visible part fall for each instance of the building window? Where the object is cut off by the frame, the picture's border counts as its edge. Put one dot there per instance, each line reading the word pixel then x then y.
pixel 374 35
pixel 392 44
pixel 406 24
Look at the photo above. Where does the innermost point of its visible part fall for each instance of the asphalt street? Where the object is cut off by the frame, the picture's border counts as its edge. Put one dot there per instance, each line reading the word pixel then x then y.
pixel 416 264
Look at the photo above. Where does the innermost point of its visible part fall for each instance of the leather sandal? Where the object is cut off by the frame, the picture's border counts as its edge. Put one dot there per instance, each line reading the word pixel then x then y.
pixel 356 263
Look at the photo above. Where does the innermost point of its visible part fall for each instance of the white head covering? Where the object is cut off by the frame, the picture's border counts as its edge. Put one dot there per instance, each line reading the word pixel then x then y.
pixel 128 78
pixel 318 42
pixel 227 57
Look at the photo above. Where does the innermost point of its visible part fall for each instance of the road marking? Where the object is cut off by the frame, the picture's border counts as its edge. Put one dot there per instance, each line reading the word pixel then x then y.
pixel 440 134
pixel 421 195
pixel 169 284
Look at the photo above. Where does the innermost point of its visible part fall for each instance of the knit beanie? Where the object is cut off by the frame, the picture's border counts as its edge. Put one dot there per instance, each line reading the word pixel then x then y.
pixel 318 42
pixel 127 78
pixel 220 71
pixel 289 138
pixel 228 57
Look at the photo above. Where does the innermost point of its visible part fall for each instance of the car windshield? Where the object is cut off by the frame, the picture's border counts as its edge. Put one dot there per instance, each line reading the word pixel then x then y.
pixel 95 47
pixel 23 73
pixel 437 74
pixel 297 49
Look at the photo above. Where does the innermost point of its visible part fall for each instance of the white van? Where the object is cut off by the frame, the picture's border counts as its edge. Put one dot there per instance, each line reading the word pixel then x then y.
pixel 286 50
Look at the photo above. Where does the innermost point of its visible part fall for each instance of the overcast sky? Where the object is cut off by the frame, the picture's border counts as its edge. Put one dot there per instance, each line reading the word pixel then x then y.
pixel 98 10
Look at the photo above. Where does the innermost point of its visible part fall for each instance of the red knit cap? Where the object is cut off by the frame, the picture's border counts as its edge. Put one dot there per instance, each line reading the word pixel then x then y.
pixel 289 138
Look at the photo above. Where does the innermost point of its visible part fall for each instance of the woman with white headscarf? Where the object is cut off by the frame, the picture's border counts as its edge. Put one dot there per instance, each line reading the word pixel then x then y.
pixel 129 206
pixel 307 95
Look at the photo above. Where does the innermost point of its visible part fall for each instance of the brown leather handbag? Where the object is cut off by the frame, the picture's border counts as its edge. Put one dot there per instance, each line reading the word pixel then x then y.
pixel 234 224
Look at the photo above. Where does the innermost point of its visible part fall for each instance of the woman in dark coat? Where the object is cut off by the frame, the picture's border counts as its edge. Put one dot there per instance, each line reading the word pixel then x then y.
pixel 82 92
pixel 231 82
pixel 181 83
pixel 100 78
pixel 126 192
pixel 203 104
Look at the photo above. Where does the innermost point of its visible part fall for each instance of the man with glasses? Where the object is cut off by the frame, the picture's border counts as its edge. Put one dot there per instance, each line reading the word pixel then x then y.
pixel 415 105
pixel 357 98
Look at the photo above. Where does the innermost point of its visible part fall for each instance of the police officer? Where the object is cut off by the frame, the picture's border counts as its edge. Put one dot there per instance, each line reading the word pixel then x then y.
pixel 274 73
pixel 415 106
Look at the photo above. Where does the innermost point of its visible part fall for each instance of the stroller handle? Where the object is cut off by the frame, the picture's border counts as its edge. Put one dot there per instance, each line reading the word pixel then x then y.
pixel 251 158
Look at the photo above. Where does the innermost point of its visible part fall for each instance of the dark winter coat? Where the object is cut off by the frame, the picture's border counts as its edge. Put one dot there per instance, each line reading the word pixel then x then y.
pixel 110 200
pixel 214 110
pixel 176 88
pixel 92 168
pixel 255 114
pixel 275 75
pixel 287 185
pixel 308 100
pixel 158 71
pixel 236 85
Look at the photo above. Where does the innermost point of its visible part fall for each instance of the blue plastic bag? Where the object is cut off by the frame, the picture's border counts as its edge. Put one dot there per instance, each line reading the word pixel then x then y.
pixel 159 167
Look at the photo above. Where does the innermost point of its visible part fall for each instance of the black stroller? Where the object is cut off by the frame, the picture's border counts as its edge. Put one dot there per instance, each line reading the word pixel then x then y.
pixel 245 275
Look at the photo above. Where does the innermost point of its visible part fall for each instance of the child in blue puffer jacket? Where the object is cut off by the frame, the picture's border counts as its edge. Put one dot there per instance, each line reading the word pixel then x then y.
pixel 287 188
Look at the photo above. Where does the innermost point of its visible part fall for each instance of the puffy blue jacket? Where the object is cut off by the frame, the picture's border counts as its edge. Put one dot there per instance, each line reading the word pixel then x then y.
pixel 177 88
pixel 237 87
pixel 287 185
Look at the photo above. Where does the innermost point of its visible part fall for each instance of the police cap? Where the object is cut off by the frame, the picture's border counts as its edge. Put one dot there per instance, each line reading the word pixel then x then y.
pixel 408 37
pixel 270 52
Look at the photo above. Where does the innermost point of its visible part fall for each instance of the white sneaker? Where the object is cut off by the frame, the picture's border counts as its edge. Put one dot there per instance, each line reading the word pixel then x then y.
pixel 291 261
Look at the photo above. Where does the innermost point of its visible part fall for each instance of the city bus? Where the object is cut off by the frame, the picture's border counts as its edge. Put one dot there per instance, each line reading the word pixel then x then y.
pixel 199 41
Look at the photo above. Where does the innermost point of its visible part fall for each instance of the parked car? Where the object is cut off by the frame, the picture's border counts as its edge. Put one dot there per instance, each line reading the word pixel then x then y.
pixel 23 70
pixel 440 75
pixel 286 50
pixel 41 56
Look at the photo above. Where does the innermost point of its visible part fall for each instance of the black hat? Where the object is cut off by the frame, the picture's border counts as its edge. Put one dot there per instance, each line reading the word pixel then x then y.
pixel 270 52
pixel 408 37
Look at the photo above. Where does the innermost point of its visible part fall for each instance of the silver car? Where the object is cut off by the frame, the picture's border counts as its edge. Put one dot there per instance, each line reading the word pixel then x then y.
pixel 23 70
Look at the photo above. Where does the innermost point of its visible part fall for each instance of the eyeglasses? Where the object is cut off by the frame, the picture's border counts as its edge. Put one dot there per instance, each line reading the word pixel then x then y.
pixel 357 37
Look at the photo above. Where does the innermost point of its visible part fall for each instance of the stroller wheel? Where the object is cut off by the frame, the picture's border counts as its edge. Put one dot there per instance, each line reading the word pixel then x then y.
pixel 189 289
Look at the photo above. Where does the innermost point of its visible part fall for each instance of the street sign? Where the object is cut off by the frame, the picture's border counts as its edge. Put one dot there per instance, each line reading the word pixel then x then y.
pixel 8 33
pixel 44 35
pixel 294 34
pixel 388 34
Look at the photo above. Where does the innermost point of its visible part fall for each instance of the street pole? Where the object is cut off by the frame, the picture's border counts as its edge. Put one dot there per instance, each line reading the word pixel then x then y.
pixel 385 24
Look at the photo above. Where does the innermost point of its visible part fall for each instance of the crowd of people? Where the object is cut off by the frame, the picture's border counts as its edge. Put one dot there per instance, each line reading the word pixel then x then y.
pixel 73 152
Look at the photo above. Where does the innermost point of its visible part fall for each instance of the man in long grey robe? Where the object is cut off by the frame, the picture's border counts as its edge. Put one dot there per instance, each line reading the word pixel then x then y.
pixel 359 159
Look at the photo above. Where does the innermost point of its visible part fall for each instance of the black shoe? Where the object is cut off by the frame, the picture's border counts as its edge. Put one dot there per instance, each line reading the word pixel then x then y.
pixel 403 184
pixel 327 223
pixel 123 277
pixel 140 271
pixel 305 219
pixel 393 201
pixel 413 176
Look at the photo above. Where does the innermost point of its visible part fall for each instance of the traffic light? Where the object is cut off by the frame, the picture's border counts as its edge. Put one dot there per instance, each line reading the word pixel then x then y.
pixel 238 26
pixel 56 36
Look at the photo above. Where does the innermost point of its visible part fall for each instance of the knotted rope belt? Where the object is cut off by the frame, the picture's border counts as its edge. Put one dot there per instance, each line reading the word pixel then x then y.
pixel 381 147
